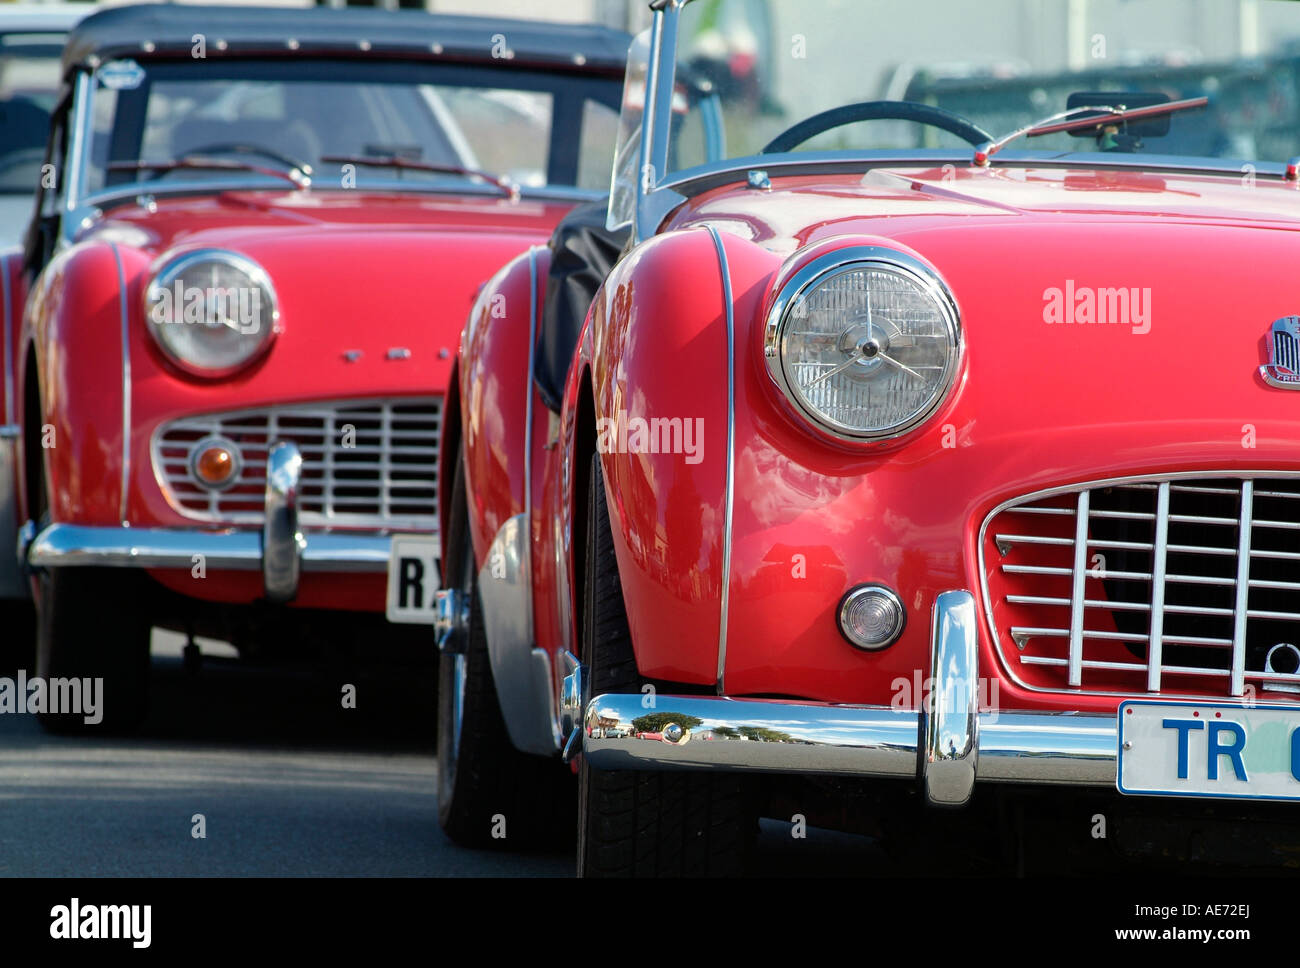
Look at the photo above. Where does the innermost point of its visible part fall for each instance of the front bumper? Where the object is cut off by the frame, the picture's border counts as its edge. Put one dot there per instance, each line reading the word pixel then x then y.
pixel 947 745
pixel 281 551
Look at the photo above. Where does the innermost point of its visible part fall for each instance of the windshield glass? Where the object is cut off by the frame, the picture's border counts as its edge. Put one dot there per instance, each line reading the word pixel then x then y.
pixel 29 81
pixel 993 67
pixel 267 113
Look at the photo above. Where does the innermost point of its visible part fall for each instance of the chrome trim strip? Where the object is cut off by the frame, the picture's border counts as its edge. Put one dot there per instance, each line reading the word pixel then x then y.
pixel 282 541
pixel 950 724
pixel 824 265
pixel 990 623
pixel 1238 680
pixel 521 673
pixel 1160 555
pixel 75 545
pixel 730 488
pixel 126 385
pixel 1078 581
pixel 528 387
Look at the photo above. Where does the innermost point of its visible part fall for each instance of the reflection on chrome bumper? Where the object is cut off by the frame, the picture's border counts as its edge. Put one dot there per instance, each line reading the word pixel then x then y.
pixel 72 545
pixel 948 747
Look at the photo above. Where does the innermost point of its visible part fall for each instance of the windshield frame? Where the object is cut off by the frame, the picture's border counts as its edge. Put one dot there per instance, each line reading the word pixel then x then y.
pixel 79 201
pixel 659 191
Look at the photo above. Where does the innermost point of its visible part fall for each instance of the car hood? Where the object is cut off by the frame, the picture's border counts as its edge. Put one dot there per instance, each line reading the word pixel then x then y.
pixel 800 210
pixel 373 290
pixel 1192 271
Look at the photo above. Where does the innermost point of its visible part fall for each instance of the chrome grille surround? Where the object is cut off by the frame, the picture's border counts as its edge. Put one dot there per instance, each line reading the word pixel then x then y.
pixel 1188 614
pixel 385 480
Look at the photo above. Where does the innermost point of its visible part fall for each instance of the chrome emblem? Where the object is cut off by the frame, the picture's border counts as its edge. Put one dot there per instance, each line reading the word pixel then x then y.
pixel 1283 366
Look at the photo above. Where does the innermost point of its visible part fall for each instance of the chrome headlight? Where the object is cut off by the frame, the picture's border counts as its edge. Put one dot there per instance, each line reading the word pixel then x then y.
pixel 211 311
pixel 865 341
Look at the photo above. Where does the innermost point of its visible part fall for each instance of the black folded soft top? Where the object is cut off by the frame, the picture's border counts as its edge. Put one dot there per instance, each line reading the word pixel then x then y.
pixel 154 30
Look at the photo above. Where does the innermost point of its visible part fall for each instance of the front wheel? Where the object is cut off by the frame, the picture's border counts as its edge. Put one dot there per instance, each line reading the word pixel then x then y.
pixel 489 793
pixel 89 627
pixel 645 824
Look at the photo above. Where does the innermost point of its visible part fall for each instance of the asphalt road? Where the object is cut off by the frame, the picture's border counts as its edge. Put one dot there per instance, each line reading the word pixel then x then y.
pixel 288 782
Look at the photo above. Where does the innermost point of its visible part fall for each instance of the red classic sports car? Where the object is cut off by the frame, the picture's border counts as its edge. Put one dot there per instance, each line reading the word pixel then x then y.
pixel 909 445
pixel 243 291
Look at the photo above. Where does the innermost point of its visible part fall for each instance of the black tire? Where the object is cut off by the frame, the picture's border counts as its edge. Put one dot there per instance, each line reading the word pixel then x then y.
pixel 482 779
pixel 646 824
pixel 89 626
pixel 18 638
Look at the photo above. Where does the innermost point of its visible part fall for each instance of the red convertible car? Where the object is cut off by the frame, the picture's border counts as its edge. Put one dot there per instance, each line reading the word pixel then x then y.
pixel 243 291
pixel 874 459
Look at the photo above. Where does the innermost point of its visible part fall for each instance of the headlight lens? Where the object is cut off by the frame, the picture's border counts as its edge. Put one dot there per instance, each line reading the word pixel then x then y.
pixel 212 312
pixel 864 341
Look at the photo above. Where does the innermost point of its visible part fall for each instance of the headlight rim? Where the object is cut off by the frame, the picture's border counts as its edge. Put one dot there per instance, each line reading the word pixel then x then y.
pixel 806 278
pixel 175 263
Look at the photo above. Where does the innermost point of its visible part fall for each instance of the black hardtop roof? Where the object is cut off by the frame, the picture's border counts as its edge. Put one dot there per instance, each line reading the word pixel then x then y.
pixel 156 29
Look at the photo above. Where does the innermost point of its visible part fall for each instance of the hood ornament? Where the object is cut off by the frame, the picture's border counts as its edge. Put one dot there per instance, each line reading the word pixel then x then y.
pixel 1283 366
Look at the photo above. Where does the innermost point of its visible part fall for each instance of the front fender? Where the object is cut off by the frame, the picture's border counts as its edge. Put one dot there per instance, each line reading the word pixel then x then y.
pixel 495 388
pixel 662 368
pixel 77 325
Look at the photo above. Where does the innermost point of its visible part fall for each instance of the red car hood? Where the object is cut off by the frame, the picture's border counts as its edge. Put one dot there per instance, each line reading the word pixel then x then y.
pixel 352 271
pixel 804 209
pixel 1207 261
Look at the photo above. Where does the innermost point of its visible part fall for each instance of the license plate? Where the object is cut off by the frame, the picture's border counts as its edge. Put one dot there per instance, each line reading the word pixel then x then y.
pixel 412 578
pixel 1209 750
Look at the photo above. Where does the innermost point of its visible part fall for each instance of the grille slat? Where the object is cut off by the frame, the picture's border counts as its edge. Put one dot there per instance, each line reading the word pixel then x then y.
pixel 366 465
pixel 1162 586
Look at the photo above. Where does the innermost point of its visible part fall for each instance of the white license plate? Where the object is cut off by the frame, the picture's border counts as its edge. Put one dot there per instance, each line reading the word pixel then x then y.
pixel 1209 750
pixel 412 578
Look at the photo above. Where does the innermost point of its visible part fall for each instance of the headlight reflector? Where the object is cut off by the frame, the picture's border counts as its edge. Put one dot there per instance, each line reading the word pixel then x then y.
pixel 864 341
pixel 211 311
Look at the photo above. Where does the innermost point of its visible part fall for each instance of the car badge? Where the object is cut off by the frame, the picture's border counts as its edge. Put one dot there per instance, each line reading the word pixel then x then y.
pixel 121 75
pixel 1283 366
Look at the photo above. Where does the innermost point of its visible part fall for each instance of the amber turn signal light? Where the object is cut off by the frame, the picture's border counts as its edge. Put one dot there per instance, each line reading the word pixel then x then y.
pixel 215 463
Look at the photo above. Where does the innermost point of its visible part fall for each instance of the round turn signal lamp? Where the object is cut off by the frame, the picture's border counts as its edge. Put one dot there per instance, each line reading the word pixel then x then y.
pixel 215 463
pixel 871 617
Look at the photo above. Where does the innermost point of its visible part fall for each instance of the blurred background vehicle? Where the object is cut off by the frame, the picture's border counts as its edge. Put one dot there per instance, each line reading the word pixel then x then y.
pixel 31 40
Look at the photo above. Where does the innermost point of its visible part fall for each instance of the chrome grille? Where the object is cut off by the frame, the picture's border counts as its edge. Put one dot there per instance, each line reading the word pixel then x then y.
pixel 1180 585
pixel 366 464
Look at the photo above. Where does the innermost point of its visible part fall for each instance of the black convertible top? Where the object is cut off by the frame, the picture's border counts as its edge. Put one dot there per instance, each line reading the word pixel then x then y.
pixel 159 30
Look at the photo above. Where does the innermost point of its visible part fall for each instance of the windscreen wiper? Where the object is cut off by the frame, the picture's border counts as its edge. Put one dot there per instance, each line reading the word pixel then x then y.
pixel 295 176
pixel 507 187
pixel 1098 116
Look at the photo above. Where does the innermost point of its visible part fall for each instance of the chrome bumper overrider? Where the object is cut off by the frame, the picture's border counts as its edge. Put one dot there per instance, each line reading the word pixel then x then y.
pixel 947 746
pixel 280 550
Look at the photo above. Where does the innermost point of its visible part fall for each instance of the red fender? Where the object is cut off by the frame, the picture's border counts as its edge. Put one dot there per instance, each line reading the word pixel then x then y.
pixel 494 387
pixel 659 381
pixel 76 331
